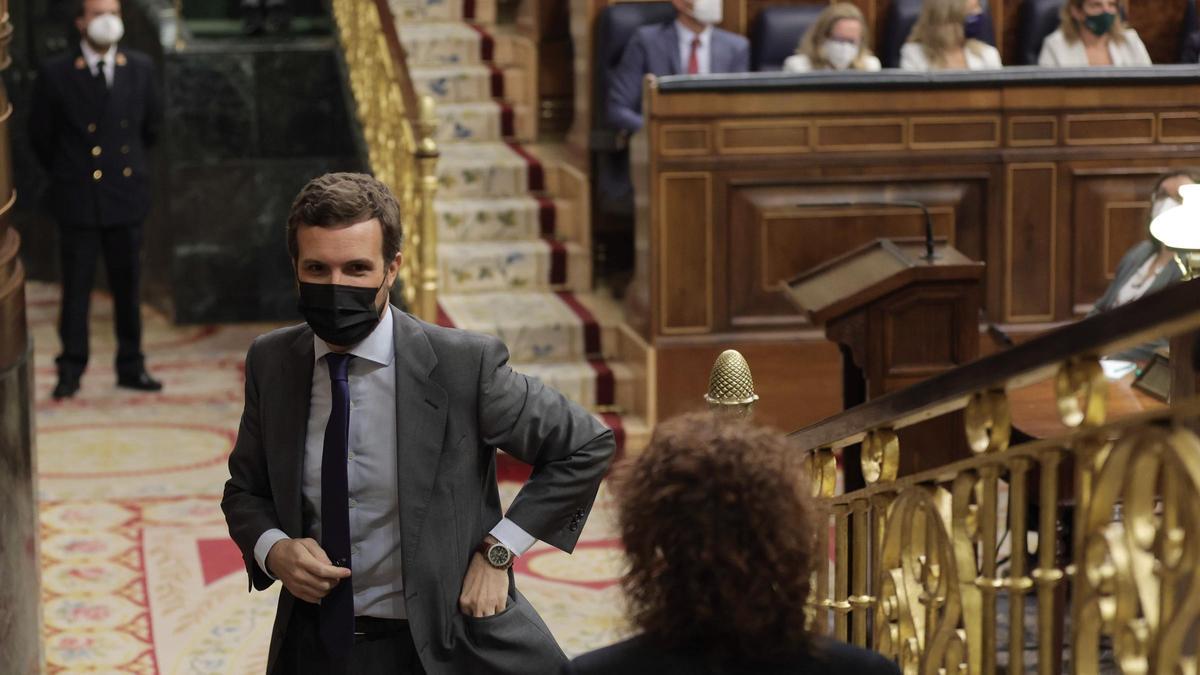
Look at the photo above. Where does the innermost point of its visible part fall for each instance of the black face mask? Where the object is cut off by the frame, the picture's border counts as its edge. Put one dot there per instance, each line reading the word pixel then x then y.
pixel 340 315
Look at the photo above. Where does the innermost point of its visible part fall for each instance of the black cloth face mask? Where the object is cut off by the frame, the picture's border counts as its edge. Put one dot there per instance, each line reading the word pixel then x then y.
pixel 339 315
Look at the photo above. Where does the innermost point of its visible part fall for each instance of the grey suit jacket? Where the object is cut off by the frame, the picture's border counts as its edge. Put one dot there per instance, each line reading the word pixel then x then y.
pixel 655 49
pixel 456 401
pixel 1133 259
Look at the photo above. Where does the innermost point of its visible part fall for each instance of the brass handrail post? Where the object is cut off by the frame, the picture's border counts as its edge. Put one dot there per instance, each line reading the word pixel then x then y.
pixel 427 157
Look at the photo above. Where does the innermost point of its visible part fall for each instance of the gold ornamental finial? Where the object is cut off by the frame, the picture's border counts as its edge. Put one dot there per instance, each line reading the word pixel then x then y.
pixel 730 385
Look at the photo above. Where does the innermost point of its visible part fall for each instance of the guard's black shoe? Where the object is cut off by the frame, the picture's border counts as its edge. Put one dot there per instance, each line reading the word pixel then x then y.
pixel 141 381
pixel 66 388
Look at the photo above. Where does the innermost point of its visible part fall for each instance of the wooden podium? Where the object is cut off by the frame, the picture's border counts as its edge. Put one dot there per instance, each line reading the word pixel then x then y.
pixel 898 319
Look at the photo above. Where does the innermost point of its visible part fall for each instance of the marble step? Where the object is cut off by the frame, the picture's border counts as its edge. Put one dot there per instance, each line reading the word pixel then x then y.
pixel 538 327
pixel 530 265
pixel 466 83
pixel 440 43
pixel 485 121
pixel 444 10
pixel 507 219
pixel 481 171
pixel 577 380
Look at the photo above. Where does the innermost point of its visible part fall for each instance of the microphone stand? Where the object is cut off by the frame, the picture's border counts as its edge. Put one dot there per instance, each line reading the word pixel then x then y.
pixel 930 254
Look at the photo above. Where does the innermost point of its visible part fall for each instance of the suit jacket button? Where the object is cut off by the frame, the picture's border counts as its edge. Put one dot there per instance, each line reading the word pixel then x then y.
pixel 124 149
pixel 92 128
pixel 96 151
pixel 97 174
pixel 127 172
pixel 124 124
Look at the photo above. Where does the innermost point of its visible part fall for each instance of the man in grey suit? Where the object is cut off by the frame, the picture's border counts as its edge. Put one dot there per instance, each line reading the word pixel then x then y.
pixel 689 45
pixel 364 475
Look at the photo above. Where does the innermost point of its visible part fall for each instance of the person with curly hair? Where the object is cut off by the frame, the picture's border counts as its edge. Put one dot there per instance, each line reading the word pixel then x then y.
pixel 720 538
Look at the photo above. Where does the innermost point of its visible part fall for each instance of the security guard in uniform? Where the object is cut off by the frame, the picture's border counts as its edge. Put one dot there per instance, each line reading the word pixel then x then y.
pixel 94 113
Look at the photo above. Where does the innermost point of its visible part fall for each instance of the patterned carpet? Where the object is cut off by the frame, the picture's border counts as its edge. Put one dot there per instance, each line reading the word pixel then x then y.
pixel 139 575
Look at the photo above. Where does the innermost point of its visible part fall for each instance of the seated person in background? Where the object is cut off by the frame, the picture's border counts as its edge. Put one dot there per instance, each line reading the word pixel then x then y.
pixel 836 41
pixel 689 45
pixel 1091 33
pixel 946 37
pixel 1148 266
pixel 719 531
pixel 1191 48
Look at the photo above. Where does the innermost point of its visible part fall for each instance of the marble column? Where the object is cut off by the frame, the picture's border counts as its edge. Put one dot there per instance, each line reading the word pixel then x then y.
pixel 20 607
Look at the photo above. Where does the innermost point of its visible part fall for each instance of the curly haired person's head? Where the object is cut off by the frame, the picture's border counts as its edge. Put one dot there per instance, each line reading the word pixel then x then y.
pixel 719 534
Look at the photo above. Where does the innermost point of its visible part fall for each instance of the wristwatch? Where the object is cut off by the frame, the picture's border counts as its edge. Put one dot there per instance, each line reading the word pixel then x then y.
pixel 497 555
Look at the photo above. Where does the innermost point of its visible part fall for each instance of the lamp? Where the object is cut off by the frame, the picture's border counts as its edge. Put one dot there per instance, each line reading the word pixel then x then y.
pixel 1179 230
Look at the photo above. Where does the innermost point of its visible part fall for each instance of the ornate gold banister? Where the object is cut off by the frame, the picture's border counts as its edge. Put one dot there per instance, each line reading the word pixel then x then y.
pixel 399 130
pixel 924 564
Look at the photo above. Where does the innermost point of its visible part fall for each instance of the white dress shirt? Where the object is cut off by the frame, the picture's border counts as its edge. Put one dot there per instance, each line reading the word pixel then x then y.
pixel 979 56
pixel 93 58
pixel 1057 52
pixel 371 475
pixel 703 52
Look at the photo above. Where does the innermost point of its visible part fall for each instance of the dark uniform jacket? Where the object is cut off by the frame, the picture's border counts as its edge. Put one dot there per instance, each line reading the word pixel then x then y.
pixel 93 143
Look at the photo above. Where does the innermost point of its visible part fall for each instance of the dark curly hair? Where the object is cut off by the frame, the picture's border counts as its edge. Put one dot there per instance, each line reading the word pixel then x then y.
pixel 719 532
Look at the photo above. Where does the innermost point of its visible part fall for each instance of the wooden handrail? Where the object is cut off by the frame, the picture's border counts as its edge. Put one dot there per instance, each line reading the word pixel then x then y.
pixel 1169 312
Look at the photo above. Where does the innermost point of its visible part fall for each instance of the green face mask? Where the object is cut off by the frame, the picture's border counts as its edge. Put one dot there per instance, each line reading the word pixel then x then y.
pixel 1100 23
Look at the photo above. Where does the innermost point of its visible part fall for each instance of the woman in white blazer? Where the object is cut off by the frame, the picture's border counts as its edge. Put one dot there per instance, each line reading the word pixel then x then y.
pixel 837 40
pixel 1091 33
pixel 945 37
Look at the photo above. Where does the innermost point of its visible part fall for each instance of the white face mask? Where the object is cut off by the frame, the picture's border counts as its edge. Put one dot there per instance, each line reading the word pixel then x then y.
pixel 838 53
pixel 106 30
pixel 707 12
pixel 1162 205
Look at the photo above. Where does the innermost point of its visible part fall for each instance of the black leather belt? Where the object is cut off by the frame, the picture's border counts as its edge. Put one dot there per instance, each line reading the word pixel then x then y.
pixel 372 628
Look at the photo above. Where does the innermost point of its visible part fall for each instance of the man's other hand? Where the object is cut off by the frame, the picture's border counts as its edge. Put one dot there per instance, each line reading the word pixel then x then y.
pixel 304 568
pixel 484 589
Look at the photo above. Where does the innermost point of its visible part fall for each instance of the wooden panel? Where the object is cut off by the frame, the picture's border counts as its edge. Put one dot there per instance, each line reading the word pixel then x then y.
pixel 932 348
pixel 866 134
pixel 945 133
pixel 1109 209
pixel 685 252
pixel 767 137
pixel 685 139
pixel 1179 127
pixel 1032 131
pixel 1160 25
pixel 777 232
pixel 1030 225
pixel 1110 129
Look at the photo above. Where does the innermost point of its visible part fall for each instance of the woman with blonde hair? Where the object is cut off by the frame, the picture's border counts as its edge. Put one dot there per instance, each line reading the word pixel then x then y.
pixel 946 37
pixel 1091 33
pixel 837 40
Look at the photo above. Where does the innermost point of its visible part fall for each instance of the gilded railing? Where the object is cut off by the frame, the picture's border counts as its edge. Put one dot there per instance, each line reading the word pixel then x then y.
pixel 933 569
pixel 398 130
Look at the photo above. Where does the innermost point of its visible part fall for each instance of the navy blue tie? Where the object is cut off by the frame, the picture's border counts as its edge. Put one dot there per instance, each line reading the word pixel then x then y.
pixel 337 608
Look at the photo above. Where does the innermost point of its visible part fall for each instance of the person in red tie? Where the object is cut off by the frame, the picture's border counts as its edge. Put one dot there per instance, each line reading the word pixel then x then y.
pixel 691 44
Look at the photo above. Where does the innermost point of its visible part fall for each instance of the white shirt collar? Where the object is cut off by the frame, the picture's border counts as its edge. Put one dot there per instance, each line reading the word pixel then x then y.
pixel 93 57
pixel 686 35
pixel 377 347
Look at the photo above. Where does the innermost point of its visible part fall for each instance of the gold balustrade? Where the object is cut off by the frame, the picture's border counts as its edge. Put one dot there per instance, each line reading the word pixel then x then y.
pixel 922 565
pixel 399 131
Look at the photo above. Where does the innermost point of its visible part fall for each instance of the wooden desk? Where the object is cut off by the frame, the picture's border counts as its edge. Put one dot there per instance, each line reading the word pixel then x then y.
pixel 1035 410
pixel 1043 175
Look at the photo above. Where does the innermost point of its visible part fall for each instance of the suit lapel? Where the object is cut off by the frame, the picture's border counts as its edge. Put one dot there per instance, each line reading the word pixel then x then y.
pixel 81 75
pixel 120 85
pixel 421 408
pixel 718 59
pixel 672 43
pixel 296 372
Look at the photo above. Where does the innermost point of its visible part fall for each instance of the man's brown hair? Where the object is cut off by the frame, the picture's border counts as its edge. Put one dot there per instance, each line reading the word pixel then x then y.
pixel 342 199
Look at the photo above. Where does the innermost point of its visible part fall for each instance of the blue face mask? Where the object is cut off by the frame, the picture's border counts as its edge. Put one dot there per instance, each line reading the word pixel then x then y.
pixel 973 27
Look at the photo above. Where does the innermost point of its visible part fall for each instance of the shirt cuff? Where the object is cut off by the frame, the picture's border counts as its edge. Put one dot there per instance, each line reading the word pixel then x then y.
pixel 263 547
pixel 512 536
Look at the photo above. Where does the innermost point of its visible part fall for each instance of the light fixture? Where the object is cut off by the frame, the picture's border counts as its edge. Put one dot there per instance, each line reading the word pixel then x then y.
pixel 1179 230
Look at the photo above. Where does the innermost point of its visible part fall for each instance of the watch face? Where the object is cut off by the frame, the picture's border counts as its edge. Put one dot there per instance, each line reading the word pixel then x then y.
pixel 499 556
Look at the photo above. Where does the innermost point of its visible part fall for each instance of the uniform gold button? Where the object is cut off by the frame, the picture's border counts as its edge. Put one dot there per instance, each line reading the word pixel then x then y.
pixel 97 174
pixel 92 128
pixel 124 149
pixel 127 172
pixel 124 124
pixel 96 151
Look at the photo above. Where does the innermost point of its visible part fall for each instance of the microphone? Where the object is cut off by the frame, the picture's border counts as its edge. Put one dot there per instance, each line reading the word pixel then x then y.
pixel 930 254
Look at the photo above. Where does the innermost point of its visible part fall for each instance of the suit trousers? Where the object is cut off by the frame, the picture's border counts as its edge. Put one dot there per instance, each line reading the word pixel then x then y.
pixel 302 653
pixel 121 247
